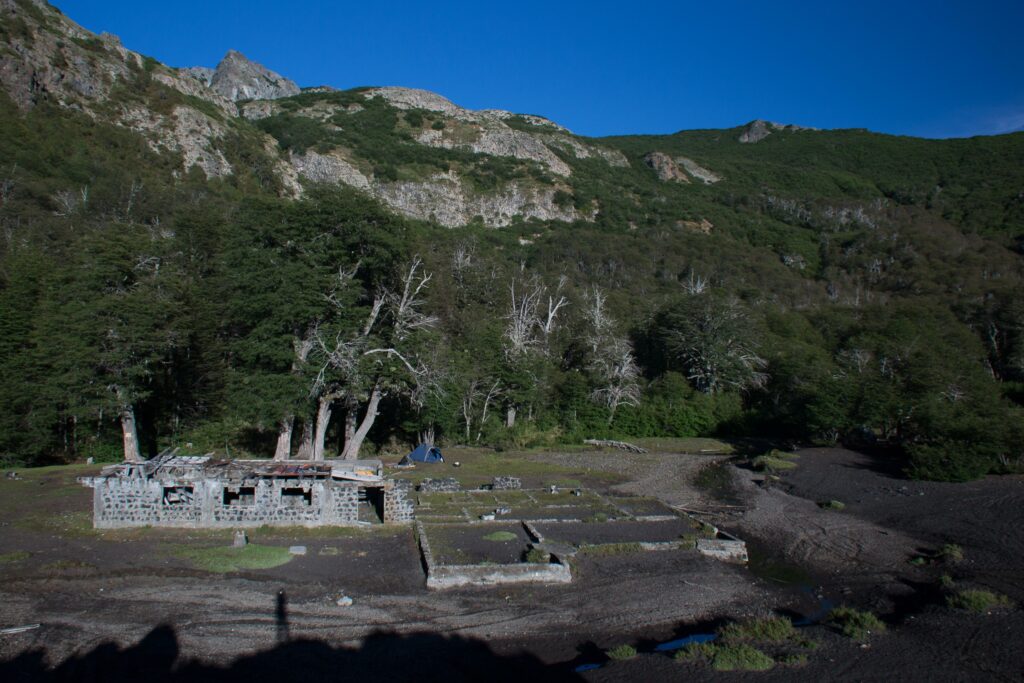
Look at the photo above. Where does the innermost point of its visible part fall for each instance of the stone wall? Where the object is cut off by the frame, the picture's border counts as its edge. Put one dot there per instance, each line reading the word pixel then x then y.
pixel 138 501
pixel 398 504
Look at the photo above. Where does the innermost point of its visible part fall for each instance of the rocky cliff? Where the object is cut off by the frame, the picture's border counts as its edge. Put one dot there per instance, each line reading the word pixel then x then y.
pixel 437 161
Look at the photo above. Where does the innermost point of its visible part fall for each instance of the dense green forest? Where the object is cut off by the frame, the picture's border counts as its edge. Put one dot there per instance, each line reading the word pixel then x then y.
pixel 854 288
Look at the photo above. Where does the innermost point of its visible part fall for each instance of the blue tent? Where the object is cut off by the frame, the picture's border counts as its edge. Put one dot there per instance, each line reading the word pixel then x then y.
pixel 425 453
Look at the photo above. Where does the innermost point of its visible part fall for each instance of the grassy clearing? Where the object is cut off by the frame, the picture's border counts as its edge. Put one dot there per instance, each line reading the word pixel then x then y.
pixel 12 557
pixel 621 652
pixel 768 630
pixel 221 560
pixel 501 536
pixel 685 445
pixel 978 601
pixel 854 623
pixel 479 466
pixel 537 556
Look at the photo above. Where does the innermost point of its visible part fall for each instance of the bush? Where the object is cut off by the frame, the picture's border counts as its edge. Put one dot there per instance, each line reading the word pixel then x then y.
pixel 979 601
pixel 740 658
pixel 854 623
pixel 769 630
pixel 621 652
pixel 951 552
pixel 832 505
pixel 695 652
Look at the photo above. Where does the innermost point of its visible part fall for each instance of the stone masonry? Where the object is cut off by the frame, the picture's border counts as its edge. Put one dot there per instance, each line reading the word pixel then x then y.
pixel 199 492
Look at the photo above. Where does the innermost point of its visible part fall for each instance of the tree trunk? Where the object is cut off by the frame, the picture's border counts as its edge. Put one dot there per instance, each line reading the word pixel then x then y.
pixel 353 446
pixel 284 439
pixel 351 417
pixel 510 417
pixel 305 451
pixel 323 420
pixel 131 436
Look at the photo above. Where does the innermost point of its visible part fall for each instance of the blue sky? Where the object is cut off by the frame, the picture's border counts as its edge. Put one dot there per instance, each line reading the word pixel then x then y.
pixel 932 69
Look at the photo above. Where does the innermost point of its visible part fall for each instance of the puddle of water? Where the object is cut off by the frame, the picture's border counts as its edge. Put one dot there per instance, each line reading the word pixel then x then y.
pixel 587 667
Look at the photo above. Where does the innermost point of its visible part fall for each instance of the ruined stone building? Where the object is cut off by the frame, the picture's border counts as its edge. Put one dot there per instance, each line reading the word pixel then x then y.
pixel 198 491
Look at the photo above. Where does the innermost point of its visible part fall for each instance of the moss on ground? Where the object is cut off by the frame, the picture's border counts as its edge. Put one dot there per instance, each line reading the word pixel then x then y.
pixel 15 556
pixel 978 601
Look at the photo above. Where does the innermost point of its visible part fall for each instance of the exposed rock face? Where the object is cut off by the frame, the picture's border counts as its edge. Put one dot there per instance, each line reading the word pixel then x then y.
pixel 501 142
pixel 238 78
pixel 187 131
pixel 665 167
pixel 703 226
pixel 758 130
pixel 329 168
pixel 203 74
pixel 445 199
pixel 698 171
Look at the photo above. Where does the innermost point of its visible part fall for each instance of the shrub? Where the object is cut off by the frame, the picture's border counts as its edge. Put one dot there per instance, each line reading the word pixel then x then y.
pixel 740 658
pixel 537 556
pixel 769 630
pixel 951 552
pixel 695 652
pixel 979 601
pixel 794 659
pixel 832 505
pixel 621 652
pixel 854 623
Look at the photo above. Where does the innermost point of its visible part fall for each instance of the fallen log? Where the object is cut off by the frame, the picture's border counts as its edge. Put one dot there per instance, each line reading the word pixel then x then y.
pixel 621 445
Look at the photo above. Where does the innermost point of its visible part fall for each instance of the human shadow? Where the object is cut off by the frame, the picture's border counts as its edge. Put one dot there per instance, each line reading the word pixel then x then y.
pixel 382 656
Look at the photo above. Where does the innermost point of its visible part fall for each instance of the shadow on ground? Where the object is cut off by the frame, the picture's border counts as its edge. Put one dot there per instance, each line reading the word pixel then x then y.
pixel 383 656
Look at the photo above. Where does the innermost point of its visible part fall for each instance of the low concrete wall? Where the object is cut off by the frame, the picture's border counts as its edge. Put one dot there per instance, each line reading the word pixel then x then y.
pixel 440 576
pixel 450 576
pixel 727 550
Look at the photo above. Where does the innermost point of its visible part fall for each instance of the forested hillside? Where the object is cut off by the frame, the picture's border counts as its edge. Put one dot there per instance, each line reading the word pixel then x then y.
pixel 336 271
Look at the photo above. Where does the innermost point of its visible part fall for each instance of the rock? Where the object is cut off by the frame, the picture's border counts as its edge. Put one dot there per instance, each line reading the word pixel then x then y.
pixel 344 601
pixel 665 167
pixel 241 539
pixel 90 460
pixel 328 168
pixel 297 550
pixel 756 131
pixel 238 78
pixel 489 517
pixel 703 226
pixel 698 171
pixel 502 511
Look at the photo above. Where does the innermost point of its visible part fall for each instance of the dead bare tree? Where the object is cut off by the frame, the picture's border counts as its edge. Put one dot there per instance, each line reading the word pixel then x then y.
pixel 611 358
pixel 356 358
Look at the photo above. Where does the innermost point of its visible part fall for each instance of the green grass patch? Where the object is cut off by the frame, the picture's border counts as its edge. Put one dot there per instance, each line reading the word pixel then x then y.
pixel 740 657
pixel 221 560
pixel 500 536
pixel 621 652
pixel 832 505
pixel 12 557
pixel 775 461
pixel 684 445
pixel 767 630
pixel 978 601
pixel 854 623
